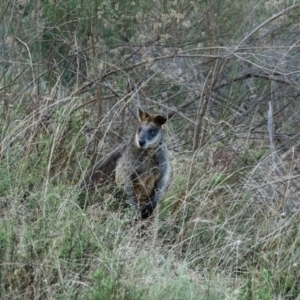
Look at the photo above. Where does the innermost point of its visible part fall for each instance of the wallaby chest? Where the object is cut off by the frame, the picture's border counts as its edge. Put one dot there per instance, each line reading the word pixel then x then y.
pixel 148 163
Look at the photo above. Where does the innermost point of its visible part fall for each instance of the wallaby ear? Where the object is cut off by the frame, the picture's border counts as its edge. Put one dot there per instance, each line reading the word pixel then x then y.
pixel 142 114
pixel 160 120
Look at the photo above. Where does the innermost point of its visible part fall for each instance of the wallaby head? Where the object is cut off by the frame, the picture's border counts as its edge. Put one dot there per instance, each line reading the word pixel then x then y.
pixel 149 131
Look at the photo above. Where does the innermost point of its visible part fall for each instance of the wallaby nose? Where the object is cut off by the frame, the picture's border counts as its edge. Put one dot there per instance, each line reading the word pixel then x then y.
pixel 142 143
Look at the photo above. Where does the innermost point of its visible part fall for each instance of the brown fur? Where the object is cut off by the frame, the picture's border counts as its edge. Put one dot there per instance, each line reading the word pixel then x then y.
pixel 142 168
pixel 102 172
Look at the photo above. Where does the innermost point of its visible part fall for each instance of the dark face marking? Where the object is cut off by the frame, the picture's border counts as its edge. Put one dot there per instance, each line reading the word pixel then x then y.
pixel 148 134
pixel 152 132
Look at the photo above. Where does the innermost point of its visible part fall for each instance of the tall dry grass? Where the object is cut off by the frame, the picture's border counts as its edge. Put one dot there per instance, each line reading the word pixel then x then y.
pixel 228 225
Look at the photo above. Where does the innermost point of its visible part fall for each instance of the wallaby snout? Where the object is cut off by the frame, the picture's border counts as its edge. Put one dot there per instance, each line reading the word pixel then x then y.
pixel 149 131
pixel 147 136
pixel 142 143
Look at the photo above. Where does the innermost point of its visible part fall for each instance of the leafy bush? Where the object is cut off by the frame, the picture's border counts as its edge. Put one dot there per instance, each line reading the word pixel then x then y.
pixel 71 76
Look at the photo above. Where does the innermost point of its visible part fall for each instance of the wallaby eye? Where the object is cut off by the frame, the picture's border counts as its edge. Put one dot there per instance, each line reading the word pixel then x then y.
pixel 139 130
pixel 152 132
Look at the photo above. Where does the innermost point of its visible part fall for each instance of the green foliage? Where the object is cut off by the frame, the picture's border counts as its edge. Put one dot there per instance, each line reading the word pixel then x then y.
pixel 217 180
pixel 258 288
pixel 110 286
pixel 180 288
pixel 228 226
pixel 253 156
pixel 4 179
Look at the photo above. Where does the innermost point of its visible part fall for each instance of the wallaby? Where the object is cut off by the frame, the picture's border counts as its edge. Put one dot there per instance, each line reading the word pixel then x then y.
pixel 142 168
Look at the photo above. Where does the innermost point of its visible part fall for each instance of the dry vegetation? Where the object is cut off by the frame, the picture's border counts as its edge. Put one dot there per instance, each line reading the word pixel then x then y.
pixel 226 73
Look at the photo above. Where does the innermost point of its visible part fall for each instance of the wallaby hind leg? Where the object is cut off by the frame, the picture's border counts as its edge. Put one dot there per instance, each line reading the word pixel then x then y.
pixel 156 195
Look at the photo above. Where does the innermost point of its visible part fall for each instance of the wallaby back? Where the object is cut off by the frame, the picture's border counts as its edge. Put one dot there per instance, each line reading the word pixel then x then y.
pixel 102 172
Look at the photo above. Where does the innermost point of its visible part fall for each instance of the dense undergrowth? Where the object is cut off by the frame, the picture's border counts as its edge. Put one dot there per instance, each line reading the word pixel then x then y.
pixel 71 76
pixel 223 229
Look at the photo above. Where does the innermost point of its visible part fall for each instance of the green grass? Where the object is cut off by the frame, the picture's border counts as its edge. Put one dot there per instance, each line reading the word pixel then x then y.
pixel 212 239
pixel 51 248
pixel 228 224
